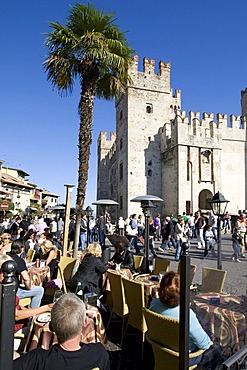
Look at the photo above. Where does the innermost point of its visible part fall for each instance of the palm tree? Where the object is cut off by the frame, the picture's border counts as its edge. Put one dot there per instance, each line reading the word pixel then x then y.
pixel 92 49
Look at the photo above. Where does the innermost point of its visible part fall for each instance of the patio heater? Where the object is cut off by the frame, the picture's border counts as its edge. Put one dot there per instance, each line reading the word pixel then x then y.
pixel 146 204
pixel 218 205
pixel 104 203
pixel 88 212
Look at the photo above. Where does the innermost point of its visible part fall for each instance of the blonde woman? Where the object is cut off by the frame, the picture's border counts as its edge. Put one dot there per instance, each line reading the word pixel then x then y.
pixel 50 254
pixel 90 270
pixel 6 243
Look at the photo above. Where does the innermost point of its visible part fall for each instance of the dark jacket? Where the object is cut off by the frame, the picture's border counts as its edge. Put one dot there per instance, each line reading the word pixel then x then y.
pixel 126 260
pixel 89 273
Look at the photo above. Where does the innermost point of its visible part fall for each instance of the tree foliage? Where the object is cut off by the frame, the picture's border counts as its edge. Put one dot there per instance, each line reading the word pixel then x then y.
pixel 92 50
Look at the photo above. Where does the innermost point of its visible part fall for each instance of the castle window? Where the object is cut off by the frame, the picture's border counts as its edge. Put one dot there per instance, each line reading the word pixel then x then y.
pixel 121 143
pixel 150 163
pixel 121 202
pixel 121 171
pixel 149 108
pixel 121 114
pixel 111 188
pixel 150 172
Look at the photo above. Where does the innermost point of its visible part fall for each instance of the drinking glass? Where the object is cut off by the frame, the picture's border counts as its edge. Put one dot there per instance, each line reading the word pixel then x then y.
pixel 58 294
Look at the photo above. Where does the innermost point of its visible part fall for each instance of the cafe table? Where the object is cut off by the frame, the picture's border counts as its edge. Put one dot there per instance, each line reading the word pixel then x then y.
pixel 151 286
pixel 223 316
pixel 41 334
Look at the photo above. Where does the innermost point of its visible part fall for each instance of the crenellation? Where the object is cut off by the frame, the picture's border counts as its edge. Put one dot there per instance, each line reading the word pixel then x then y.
pixel 133 68
pixel 148 66
pixel 235 121
pixel 177 94
pixel 207 116
pixel 193 115
pixel 243 92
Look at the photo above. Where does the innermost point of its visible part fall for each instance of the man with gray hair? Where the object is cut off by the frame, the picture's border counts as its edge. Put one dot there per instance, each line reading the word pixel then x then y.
pixel 67 319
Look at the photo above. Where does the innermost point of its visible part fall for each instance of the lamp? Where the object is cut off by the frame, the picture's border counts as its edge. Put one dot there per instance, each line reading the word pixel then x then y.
pixel 218 205
pixel 146 204
pixel 88 213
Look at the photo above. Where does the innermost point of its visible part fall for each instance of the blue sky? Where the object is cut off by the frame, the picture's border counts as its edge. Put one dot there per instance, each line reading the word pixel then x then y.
pixel 205 41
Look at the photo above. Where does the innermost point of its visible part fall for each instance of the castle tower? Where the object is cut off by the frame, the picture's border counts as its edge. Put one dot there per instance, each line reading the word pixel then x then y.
pixel 146 105
pixel 159 150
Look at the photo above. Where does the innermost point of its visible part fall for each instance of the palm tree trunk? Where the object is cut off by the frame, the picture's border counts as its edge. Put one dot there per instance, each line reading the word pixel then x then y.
pixel 85 139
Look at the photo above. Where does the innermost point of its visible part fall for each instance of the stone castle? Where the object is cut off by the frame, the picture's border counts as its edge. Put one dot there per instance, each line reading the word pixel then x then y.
pixel 159 150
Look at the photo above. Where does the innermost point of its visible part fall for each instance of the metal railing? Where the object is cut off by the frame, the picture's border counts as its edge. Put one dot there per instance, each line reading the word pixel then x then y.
pixel 237 361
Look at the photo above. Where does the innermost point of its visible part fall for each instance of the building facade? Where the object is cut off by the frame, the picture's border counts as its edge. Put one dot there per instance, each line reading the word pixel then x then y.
pixel 159 150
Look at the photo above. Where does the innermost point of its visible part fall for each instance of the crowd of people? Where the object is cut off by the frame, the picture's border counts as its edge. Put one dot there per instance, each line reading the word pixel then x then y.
pixel 22 234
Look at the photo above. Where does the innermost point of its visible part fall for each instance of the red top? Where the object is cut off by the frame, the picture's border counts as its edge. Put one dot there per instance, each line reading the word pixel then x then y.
pixel 21 323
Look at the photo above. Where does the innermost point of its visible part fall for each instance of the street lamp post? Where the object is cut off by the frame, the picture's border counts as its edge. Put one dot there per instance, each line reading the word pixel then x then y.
pixel 69 189
pixel 88 212
pixel 218 205
pixel 184 312
pixel 146 205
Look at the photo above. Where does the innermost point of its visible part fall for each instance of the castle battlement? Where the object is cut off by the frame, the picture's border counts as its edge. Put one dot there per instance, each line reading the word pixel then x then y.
pixel 208 120
pixel 103 137
pixel 148 79
pixel 203 130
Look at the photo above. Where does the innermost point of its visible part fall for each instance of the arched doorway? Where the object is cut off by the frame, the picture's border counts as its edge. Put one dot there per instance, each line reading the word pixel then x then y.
pixel 204 196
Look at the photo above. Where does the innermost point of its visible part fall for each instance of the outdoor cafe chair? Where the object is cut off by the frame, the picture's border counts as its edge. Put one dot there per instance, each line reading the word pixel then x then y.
pixel 137 262
pixel 134 293
pixel 30 255
pixel 192 271
pixel 212 280
pixel 163 335
pixel 161 265
pixel 65 270
pixel 120 307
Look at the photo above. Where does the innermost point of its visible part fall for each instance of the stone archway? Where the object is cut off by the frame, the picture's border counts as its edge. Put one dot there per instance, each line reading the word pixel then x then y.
pixel 204 196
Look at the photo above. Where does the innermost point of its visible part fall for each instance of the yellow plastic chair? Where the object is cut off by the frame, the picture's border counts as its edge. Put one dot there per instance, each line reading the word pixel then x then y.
pixel 163 335
pixel 161 265
pixel 137 262
pixel 25 302
pixel 192 271
pixel 65 270
pixel 30 255
pixel 120 307
pixel 212 280
pixel 134 293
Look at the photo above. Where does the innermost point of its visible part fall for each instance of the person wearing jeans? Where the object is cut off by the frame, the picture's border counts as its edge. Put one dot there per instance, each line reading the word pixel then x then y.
pixel 199 227
pixel 35 293
pixel 179 235
pixel 25 288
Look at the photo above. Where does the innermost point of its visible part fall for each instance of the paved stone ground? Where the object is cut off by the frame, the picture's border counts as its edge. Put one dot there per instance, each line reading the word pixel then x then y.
pixel 236 278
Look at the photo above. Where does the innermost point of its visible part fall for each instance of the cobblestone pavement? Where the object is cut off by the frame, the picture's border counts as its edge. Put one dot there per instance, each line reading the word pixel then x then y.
pixel 236 278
